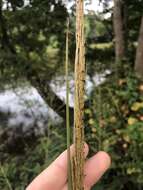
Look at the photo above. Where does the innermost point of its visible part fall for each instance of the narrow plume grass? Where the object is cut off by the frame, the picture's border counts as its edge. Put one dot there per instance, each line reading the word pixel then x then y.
pixel 78 158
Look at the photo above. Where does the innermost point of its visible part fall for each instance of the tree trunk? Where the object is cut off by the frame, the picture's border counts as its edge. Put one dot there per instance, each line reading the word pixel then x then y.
pixel 50 97
pixel 139 53
pixel 118 30
pixel 125 27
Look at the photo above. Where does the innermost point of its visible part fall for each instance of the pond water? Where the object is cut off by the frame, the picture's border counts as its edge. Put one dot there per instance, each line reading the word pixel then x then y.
pixel 27 108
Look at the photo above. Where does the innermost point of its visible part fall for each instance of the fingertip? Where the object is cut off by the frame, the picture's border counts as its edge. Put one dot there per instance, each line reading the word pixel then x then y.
pixel 95 167
pixel 105 159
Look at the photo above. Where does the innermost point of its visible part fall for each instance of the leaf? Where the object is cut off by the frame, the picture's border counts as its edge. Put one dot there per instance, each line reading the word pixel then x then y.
pixel 136 106
pixel 132 120
pixel 91 121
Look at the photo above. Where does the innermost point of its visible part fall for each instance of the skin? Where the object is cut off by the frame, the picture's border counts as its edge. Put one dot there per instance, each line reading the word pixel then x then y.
pixel 55 176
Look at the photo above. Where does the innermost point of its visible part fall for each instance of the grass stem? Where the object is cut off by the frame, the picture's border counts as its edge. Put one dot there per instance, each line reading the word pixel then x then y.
pixel 67 109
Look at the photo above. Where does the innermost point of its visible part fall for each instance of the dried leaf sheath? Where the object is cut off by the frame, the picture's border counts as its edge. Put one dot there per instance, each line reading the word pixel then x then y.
pixel 78 160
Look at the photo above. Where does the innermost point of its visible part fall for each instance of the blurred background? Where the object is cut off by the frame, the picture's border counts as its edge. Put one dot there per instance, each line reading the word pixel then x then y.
pixel 33 92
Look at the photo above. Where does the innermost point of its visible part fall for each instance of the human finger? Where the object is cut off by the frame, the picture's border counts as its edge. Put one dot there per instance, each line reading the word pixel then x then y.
pixel 55 176
pixel 95 167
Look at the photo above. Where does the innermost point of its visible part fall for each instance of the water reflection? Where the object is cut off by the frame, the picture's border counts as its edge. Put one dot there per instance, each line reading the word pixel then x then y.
pixel 24 107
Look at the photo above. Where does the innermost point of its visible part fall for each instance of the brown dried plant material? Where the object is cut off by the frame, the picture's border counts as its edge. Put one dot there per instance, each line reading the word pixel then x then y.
pixel 78 159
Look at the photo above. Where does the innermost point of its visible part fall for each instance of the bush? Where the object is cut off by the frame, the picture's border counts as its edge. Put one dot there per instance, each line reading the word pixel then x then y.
pixel 117 127
pixel 17 170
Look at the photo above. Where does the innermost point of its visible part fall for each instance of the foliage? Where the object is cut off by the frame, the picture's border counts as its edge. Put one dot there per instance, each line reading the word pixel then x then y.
pixel 26 33
pixel 116 127
pixel 18 169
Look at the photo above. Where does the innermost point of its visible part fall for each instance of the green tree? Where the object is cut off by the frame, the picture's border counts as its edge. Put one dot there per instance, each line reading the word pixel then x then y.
pixel 30 33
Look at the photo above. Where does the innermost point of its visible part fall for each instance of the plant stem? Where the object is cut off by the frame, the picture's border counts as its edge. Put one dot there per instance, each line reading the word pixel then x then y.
pixel 78 159
pixel 67 110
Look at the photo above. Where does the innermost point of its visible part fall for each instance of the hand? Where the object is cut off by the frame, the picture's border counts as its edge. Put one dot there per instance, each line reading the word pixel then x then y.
pixel 55 176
